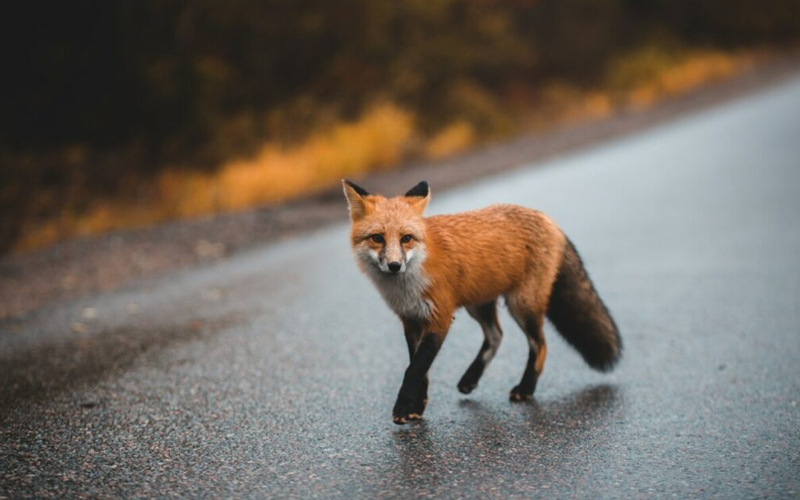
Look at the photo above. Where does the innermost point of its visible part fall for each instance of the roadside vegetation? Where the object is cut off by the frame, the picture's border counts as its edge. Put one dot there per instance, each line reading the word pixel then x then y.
pixel 128 114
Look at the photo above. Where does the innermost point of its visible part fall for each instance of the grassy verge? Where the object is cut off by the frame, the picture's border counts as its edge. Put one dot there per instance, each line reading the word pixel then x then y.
pixel 385 136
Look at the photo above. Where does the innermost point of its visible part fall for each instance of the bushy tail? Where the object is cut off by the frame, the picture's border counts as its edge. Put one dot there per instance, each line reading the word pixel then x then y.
pixel 580 316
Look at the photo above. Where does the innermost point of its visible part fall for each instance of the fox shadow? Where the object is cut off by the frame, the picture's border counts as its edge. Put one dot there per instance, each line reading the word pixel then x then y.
pixel 547 429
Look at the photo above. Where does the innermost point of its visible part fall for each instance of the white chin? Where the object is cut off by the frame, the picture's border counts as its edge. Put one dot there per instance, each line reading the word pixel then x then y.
pixel 387 271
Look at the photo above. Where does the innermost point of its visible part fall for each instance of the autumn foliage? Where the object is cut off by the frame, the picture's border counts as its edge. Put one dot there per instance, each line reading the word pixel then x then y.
pixel 120 114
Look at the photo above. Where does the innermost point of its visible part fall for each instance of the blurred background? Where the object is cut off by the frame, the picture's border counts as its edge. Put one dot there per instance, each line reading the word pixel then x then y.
pixel 123 114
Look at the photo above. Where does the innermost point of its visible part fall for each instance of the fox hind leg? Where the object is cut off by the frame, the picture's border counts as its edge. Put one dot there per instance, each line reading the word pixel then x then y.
pixel 531 320
pixel 486 315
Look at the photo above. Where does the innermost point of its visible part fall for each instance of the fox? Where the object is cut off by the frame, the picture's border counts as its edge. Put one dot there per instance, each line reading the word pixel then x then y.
pixel 426 268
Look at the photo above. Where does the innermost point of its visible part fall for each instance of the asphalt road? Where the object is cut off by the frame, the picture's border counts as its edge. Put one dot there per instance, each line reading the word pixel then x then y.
pixel 273 373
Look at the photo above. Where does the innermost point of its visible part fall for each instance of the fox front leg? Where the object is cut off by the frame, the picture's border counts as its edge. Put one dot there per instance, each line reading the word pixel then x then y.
pixel 424 341
pixel 413 333
pixel 412 397
pixel 430 332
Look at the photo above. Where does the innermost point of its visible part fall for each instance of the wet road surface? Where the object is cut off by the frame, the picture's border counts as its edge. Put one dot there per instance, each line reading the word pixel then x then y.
pixel 273 373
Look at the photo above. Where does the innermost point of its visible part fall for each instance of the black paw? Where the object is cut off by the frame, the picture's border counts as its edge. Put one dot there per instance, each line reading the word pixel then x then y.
pixel 466 387
pixel 469 381
pixel 520 394
pixel 406 411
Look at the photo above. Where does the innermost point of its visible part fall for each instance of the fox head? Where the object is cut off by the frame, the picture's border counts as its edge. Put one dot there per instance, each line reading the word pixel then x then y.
pixel 388 234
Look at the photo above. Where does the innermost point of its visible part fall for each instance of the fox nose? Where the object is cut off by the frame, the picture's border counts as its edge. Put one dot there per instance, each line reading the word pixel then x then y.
pixel 394 266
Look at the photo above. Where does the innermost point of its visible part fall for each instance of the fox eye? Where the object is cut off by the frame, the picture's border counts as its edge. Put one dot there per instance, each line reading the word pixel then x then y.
pixel 406 238
pixel 377 238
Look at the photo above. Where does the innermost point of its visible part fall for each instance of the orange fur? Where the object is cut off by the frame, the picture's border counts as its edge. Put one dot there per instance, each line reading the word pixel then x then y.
pixel 475 257
pixel 471 257
pixel 427 267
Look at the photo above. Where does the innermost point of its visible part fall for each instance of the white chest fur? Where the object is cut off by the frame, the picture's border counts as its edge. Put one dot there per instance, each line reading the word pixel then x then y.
pixel 404 292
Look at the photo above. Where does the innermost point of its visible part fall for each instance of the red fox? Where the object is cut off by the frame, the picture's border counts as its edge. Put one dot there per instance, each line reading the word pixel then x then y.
pixel 427 267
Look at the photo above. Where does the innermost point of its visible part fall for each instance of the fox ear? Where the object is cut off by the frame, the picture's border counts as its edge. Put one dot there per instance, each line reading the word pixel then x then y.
pixel 357 200
pixel 419 196
pixel 420 189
